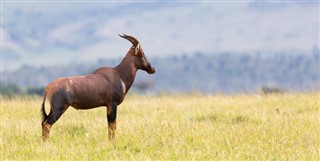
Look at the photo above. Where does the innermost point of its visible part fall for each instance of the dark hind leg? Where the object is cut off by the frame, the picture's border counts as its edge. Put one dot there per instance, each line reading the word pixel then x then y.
pixel 112 122
pixel 56 111
pixel 45 130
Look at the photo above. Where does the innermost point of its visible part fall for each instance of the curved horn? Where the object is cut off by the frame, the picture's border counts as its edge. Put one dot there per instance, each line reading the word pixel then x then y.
pixel 132 39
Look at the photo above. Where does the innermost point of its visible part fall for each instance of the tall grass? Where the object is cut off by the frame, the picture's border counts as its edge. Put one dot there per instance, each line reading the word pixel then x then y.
pixel 184 127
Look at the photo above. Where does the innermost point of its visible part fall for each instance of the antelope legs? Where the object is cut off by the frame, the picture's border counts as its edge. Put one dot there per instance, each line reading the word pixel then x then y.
pixel 45 130
pixel 53 116
pixel 112 122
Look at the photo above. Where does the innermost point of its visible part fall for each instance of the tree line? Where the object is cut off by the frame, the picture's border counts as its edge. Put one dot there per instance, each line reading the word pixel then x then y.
pixel 206 73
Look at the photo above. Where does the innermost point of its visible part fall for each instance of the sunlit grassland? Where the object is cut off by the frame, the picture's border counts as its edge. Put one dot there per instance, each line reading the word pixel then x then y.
pixel 183 127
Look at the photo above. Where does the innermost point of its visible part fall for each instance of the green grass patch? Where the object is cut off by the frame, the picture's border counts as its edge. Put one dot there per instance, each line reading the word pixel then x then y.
pixel 185 127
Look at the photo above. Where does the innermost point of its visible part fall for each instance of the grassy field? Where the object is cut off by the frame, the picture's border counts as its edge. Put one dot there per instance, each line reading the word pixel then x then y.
pixel 184 127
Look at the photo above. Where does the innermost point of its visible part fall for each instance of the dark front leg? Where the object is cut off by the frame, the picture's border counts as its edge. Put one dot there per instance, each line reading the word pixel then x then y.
pixel 112 122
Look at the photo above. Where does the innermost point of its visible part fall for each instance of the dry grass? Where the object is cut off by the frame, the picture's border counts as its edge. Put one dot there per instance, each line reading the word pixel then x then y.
pixel 184 127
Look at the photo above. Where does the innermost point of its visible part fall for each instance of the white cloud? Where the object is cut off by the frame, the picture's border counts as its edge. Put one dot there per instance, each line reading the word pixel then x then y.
pixel 9 43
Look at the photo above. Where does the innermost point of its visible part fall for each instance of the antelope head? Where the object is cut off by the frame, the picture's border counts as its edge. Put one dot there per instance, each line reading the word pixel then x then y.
pixel 140 60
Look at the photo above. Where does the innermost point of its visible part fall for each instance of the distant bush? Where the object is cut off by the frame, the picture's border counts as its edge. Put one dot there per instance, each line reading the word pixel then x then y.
pixel 10 89
pixel 35 90
pixel 143 85
pixel 271 90
pixel 13 89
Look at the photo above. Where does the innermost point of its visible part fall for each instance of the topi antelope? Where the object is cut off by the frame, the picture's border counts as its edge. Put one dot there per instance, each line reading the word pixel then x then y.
pixel 104 87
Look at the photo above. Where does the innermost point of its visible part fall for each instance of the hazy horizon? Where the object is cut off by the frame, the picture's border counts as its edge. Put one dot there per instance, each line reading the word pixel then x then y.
pixel 58 33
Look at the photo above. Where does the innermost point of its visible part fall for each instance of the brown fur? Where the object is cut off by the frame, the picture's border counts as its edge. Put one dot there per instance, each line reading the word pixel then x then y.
pixel 106 86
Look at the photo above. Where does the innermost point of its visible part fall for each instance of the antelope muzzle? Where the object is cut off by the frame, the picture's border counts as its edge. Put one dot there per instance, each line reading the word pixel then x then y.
pixel 150 69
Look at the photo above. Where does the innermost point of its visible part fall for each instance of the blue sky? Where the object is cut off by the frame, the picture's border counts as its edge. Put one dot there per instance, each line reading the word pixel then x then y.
pixel 56 33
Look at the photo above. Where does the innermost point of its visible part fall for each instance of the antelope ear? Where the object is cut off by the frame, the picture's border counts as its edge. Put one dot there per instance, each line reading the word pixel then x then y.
pixel 136 49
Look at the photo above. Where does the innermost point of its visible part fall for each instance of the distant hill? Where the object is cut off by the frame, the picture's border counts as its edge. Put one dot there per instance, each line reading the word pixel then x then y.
pixel 207 73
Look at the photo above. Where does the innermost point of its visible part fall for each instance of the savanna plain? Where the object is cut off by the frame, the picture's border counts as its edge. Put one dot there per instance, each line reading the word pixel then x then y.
pixel 170 127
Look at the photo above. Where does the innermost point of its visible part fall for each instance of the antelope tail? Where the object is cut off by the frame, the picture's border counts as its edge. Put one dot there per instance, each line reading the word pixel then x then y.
pixel 43 111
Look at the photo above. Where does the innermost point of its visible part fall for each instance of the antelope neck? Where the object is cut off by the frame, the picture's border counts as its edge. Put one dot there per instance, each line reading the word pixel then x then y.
pixel 127 71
